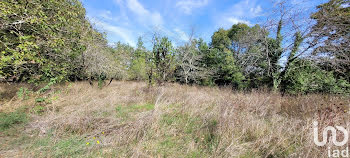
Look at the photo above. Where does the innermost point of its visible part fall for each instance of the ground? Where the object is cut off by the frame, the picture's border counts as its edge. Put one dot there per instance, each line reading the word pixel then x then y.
pixel 130 119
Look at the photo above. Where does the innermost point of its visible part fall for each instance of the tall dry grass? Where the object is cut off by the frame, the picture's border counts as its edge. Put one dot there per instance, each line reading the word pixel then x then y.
pixel 132 120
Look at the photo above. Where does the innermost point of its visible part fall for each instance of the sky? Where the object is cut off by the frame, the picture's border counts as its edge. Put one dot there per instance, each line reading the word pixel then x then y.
pixel 126 20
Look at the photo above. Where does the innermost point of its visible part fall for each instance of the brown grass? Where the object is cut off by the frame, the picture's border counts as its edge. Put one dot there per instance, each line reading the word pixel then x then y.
pixel 131 120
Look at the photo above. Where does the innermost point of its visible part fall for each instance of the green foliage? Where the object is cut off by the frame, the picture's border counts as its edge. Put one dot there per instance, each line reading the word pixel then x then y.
pixel 221 58
pixel 290 60
pixel 38 109
pixel 43 39
pixel 305 77
pixel 220 40
pixel 228 72
pixel 138 65
pixel 123 56
pixel 331 33
pixel 52 41
pixel 163 58
pixel 8 120
pixel 71 146
pixel 39 100
pixel 23 93
pixel 101 80
pixel 48 86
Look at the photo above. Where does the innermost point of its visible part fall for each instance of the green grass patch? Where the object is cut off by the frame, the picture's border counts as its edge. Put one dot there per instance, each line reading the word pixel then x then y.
pixel 38 109
pixel 182 122
pixel 72 146
pixel 126 112
pixel 8 120
pixel 182 135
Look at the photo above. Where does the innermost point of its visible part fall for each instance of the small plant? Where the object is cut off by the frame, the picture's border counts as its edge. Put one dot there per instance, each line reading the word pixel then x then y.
pixel 23 93
pixel 47 87
pixel 40 100
pixel 38 109
pixel 101 80
pixel 100 83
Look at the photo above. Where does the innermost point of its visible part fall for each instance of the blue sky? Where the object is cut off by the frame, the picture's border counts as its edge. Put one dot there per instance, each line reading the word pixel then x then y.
pixel 126 20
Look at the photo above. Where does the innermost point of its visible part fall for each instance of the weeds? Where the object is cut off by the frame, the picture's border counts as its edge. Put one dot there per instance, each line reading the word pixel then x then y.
pixel 8 120
pixel 48 86
pixel 38 110
pixel 23 93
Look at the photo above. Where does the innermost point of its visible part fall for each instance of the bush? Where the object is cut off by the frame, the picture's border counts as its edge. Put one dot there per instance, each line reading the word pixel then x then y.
pixel 306 77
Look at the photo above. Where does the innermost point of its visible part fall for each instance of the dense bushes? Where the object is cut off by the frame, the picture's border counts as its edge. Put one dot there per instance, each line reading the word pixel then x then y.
pixel 305 77
pixel 46 39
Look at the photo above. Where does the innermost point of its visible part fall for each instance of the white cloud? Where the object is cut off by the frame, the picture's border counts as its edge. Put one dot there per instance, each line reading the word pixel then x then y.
pixel 106 14
pixel 233 20
pixel 119 2
pixel 125 34
pixel 183 36
pixel 246 8
pixel 256 10
pixel 144 15
pixel 188 5
pixel 243 11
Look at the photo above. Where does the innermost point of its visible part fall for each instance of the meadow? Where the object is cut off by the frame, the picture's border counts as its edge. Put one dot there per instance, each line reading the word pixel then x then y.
pixel 131 119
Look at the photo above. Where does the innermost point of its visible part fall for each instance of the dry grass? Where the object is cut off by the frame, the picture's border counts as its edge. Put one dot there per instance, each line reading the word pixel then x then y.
pixel 130 120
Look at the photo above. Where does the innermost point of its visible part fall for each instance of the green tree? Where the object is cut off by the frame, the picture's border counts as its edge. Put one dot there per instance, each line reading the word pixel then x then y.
pixel 138 62
pixel 163 59
pixel 220 40
pixel 221 59
pixel 40 40
pixel 304 76
pixel 331 35
pixel 122 55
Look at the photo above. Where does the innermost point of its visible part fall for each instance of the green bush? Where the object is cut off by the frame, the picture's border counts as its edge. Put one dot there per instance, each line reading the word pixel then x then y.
pixel 305 77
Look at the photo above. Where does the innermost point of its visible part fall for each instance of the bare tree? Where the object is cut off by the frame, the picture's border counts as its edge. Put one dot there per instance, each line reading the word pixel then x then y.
pixel 98 60
pixel 190 62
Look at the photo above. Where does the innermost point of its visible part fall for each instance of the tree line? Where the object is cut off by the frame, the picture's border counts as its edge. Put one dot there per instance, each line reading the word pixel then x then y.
pixel 53 40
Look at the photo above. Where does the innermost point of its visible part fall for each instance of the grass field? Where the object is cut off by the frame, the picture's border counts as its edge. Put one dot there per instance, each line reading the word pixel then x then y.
pixel 128 119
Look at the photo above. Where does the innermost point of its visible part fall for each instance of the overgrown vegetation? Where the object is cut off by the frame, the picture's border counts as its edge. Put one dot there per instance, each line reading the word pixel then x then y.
pixel 129 119
pixel 54 42
pixel 197 99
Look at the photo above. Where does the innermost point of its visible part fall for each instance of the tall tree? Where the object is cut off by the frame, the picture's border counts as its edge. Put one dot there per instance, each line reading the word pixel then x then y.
pixel 220 40
pixel 137 69
pixel 331 33
pixel 191 67
pixel 40 40
pixel 163 58
pixel 222 59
